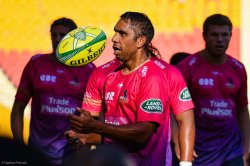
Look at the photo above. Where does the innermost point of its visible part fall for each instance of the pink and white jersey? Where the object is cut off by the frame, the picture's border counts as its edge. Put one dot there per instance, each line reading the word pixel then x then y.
pixel 217 91
pixel 56 92
pixel 92 100
pixel 140 96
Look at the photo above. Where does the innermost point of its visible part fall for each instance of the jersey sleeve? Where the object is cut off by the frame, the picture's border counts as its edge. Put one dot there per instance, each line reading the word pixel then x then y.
pixel 92 100
pixel 180 98
pixel 25 85
pixel 152 100
pixel 241 98
pixel 185 70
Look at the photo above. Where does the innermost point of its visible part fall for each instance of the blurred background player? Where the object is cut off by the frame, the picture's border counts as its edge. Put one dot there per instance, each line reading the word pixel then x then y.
pixel 218 86
pixel 56 90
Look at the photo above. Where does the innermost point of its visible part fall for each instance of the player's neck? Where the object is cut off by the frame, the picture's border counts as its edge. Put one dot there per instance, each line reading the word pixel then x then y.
pixel 213 59
pixel 53 57
pixel 135 63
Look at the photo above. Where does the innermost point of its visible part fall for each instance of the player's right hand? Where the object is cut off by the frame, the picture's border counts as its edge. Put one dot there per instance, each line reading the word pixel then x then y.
pixel 84 123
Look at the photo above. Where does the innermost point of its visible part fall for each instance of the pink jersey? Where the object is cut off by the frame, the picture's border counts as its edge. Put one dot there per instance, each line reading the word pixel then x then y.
pixel 135 97
pixel 56 91
pixel 217 91
pixel 94 91
pixel 180 99
pixel 140 96
pixel 179 102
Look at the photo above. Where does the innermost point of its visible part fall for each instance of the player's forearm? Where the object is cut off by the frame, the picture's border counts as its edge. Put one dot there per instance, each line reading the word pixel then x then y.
pixel 186 136
pixel 17 126
pixel 93 138
pixel 244 124
pixel 174 129
pixel 17 121
pixel 186 143
pixel 132 134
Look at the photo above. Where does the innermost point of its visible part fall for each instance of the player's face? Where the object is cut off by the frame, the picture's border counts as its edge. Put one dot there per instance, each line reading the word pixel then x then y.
pixel 57 33
pixel 217 39
pixel 124 42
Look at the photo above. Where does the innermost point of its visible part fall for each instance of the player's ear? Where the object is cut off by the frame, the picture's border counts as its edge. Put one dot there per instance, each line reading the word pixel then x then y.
pixel 141 41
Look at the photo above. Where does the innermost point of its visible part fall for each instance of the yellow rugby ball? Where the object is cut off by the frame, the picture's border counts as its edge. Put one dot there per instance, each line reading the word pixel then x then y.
pixel 81 46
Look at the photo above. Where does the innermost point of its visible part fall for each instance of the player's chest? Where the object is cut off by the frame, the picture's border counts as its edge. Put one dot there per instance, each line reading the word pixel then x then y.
pixel 214 80
pixel 64 80
pixel 122 89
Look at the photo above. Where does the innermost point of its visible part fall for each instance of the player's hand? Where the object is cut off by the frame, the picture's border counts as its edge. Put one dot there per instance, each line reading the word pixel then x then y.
pixel 75 140
pixel 84 123
pixel 177 152
pixel 246 158
pixel 195 155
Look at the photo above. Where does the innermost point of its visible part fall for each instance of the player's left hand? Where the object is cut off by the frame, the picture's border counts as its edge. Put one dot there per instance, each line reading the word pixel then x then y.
pixel 84 123
pixel 246 158
pixel 75 140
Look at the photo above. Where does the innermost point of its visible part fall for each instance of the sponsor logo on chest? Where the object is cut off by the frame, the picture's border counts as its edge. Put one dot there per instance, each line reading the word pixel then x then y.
pixel 74 82
pixel 209 82
pixel 124 97
pixel 217 108
pixel 46 78
pixel 109 96
pixel 230 83
pixel 58 106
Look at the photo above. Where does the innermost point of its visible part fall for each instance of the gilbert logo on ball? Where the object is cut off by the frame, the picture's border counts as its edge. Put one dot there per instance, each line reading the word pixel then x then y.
pixel 81 46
